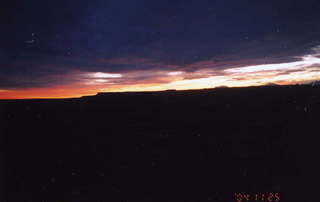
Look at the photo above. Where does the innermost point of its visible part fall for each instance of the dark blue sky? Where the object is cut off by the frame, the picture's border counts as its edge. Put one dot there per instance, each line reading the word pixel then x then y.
pixel 40 38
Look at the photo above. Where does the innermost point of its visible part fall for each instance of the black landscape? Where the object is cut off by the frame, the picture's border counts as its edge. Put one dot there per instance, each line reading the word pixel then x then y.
pixel 194 145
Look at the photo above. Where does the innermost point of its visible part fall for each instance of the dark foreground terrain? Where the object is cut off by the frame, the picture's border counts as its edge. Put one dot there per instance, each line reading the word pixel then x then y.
pixel 204 145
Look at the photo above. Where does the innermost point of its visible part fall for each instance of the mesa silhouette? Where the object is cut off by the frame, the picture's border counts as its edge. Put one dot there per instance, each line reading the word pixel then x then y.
pixel 194 145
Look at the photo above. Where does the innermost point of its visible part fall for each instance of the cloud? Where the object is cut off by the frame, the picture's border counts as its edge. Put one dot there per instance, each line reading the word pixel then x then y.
pixel 42 71
pixel 316 49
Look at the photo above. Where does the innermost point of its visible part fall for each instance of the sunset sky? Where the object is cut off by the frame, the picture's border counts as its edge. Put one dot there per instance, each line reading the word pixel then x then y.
pixel 64 48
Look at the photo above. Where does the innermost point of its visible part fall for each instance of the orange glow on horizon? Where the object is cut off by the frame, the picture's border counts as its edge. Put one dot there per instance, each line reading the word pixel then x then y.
pixel 71 92
pixel 306 70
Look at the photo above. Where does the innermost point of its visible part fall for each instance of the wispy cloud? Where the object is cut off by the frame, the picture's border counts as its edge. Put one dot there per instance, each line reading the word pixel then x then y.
pixel 209 73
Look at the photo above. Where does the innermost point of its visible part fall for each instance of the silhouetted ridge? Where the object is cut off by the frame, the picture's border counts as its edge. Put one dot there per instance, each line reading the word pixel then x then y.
pixel 315 83
pixel 181 143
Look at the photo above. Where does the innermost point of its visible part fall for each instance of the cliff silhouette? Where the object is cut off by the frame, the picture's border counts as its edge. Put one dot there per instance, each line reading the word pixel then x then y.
pixel 188 145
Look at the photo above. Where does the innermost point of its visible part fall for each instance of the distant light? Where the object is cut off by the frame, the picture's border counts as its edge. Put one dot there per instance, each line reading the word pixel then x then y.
pixel 256 68
pixel 174 73
pixel 306 61
pixel 101 80
pixel 101 75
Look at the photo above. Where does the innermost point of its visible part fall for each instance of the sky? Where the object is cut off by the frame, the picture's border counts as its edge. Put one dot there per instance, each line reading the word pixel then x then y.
pixel 64 48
